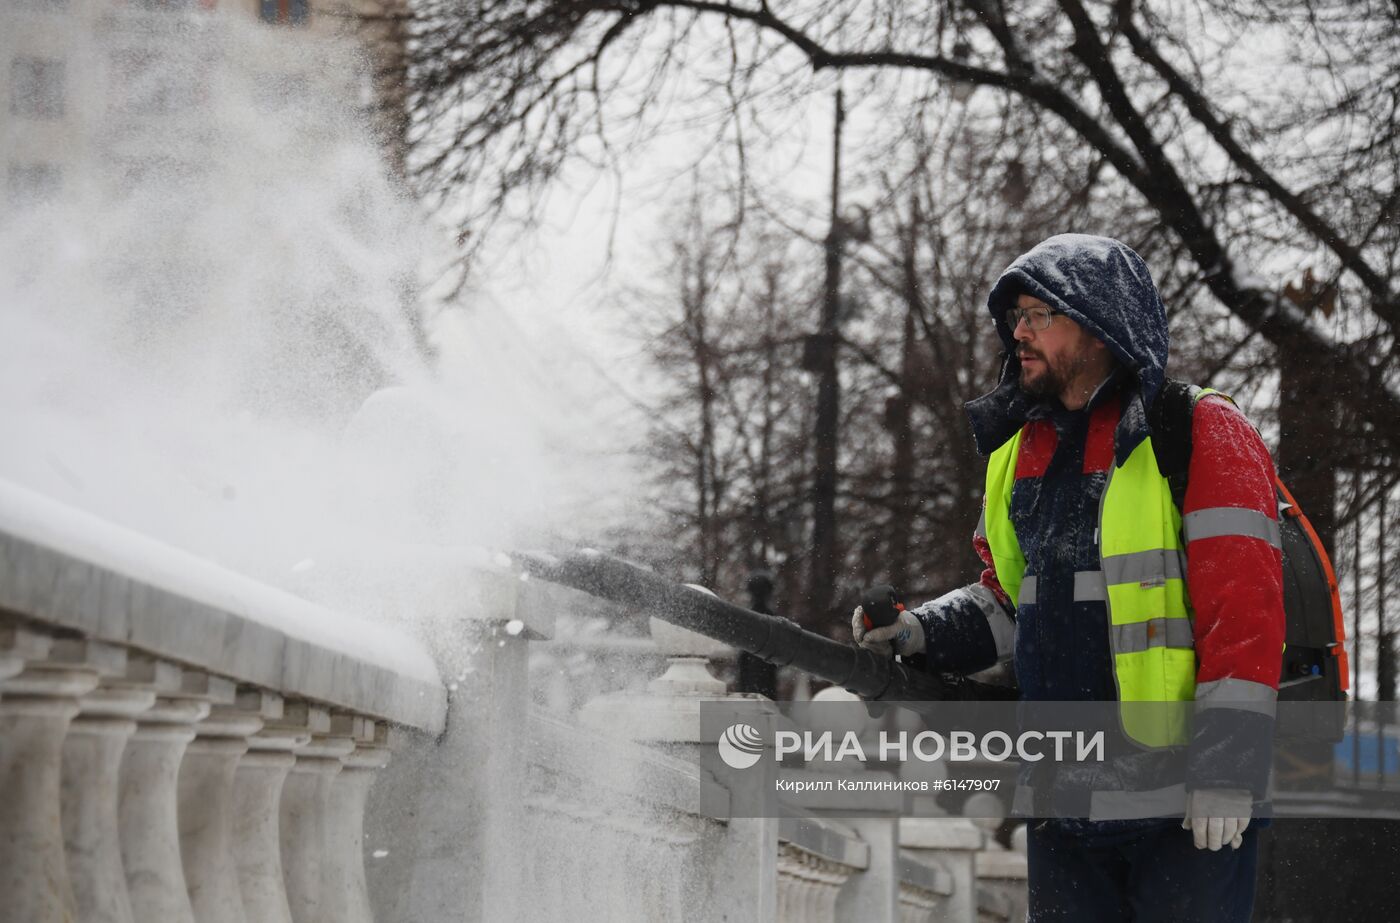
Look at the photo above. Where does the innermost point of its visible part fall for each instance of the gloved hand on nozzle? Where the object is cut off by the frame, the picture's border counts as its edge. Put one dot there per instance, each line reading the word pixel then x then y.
pixel 1218 817
pixel 904 636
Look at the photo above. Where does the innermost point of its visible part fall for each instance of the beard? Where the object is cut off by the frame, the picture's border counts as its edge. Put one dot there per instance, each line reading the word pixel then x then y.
pixel 1050 379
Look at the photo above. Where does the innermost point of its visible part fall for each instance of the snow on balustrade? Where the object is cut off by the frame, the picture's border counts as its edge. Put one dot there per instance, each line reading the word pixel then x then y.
pixel 179 742
pixel 72 570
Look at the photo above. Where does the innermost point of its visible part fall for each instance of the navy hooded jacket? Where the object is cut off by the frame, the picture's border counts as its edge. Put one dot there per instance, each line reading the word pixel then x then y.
pixel 1106 288
pixel 1058 645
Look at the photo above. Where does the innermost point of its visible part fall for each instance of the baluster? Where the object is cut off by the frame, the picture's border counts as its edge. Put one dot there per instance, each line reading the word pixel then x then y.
pixel 150 831
pixel 206 814
pixel 36 706
pixel 148 812
pixel 347 894
pixel 786 883
pixel 257 795
pixel 305 805
pixel 91 786
pixel 815 889
pixel 92 758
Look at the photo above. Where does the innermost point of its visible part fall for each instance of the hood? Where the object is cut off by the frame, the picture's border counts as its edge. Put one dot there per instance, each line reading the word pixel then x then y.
pixel 1105 287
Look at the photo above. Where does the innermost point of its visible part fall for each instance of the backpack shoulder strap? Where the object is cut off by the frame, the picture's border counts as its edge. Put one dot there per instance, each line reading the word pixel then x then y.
pixel 1170 421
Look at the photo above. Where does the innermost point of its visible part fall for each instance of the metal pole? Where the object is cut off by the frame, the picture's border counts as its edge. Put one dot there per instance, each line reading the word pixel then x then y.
pixel 1356 643
pixel 822 581
pixel 1383 666
pixel 755 674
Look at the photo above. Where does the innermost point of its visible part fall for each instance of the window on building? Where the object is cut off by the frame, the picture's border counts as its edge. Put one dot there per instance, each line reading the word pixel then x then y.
pixel 286 12
pixel 33 183
pixel 36 87
pixel 139 85
pixel 159 172
pixel 156 6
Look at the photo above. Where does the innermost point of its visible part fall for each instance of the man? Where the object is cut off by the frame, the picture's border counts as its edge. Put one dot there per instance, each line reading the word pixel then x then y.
pixel 1085 591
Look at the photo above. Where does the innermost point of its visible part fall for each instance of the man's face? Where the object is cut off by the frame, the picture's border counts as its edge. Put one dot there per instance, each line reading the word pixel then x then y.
pixel 1051 358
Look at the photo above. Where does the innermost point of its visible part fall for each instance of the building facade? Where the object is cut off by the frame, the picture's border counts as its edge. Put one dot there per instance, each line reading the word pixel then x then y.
pixel 82 80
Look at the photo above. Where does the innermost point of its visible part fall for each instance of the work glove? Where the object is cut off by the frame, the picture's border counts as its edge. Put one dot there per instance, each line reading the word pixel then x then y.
pixel 1217 817
pixel 904 636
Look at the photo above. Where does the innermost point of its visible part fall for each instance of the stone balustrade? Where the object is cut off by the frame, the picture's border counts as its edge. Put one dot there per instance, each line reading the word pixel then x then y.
pixel 816 860
pixel 1001 882
pixel 179 743
pixel 809 884
pixel 611 825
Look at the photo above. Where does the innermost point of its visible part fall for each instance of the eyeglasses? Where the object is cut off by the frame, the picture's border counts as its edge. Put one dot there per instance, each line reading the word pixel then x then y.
pixel 1036 318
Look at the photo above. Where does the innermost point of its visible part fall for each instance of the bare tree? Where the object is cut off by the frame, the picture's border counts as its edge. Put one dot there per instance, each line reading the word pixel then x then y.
pixel 732 419
pixel 916 345
pixel 924 344
pixel 508 93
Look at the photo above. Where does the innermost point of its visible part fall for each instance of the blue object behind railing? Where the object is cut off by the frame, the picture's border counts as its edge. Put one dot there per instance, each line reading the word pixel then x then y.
pixel 1365 755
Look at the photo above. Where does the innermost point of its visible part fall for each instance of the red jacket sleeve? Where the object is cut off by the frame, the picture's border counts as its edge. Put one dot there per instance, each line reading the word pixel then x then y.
pixel 1234 565
pixel 1235 579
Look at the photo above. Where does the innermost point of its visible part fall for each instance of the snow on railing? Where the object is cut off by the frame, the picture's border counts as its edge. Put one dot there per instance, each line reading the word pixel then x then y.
pixel 181 743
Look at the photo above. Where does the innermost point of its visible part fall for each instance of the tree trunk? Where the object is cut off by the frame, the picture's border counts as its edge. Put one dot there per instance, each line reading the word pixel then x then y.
pixel 1308 440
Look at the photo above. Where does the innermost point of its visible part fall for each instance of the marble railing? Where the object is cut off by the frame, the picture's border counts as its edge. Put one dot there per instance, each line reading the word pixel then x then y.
pixel 809 883
pixel 178 743
pixel 596 813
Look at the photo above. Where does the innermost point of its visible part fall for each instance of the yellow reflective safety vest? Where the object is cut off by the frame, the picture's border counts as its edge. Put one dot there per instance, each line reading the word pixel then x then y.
pixel 1143 572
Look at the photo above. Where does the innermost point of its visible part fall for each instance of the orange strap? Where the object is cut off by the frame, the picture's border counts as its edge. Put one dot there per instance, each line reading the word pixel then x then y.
pixel 1339 650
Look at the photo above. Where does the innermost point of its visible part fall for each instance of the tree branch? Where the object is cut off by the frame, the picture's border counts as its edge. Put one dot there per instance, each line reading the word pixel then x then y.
pixel 1386 303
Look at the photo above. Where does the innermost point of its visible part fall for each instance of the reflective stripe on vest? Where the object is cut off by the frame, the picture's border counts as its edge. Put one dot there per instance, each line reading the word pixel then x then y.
pixel 1142 578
